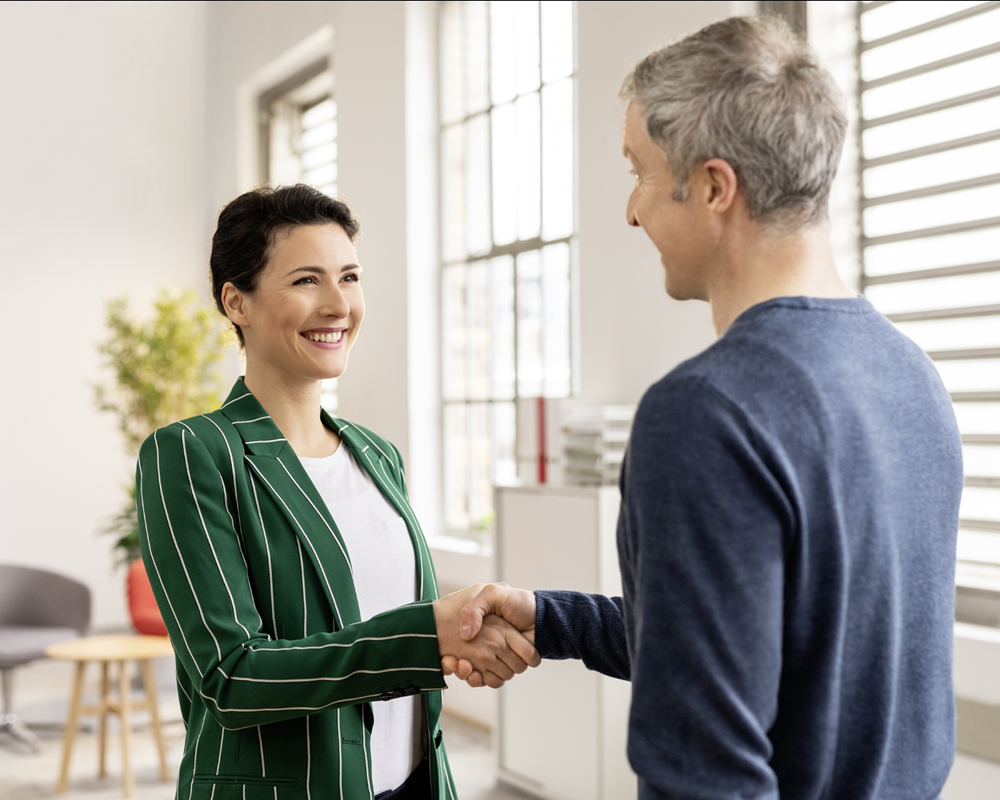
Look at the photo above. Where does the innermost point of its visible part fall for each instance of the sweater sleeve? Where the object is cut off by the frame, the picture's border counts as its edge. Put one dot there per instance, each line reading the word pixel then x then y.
pixel 585 626
pixel 200 577
pixel 701 539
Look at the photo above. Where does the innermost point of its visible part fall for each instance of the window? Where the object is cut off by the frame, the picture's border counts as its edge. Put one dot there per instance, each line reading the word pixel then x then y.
pixel 298 120
pixel 930 170
pixel 507 85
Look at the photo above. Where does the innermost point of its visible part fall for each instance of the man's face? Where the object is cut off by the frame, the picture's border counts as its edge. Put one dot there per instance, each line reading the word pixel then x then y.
pixel 675 227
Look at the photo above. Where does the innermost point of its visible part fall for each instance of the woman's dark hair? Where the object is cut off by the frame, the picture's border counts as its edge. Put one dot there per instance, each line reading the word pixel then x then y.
pixel 249 225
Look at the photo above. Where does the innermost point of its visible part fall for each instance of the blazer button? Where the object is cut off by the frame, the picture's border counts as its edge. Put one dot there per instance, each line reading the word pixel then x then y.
pixel 385 696
pixel 411 690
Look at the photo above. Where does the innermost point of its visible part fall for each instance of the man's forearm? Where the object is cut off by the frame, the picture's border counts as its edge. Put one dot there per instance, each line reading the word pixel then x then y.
pixel 590 627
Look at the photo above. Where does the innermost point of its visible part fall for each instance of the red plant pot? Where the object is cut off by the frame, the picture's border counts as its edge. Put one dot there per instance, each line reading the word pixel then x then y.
pixel 141 602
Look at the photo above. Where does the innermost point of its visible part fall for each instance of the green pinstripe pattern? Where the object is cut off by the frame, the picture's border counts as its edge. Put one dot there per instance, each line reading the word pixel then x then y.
pixel 275 669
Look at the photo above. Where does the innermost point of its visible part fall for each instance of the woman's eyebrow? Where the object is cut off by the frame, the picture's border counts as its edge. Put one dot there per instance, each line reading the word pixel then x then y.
pixel 322 270
pixel 314 270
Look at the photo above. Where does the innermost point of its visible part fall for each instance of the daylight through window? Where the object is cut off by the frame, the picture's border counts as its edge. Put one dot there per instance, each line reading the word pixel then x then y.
pixel 298 121
pixel 930 167
pixel 507 207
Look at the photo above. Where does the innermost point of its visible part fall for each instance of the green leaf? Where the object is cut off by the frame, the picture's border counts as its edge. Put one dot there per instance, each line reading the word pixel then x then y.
pixel 163 368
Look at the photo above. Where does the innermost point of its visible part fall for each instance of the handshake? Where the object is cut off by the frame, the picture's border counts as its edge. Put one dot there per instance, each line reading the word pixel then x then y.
pixel 486 633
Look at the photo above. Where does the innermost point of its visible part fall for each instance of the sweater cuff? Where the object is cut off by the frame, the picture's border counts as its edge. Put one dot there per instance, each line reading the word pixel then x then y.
pixel 545 636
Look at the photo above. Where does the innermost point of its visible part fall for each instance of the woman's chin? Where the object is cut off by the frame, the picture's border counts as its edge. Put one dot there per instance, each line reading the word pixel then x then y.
pixel 331 373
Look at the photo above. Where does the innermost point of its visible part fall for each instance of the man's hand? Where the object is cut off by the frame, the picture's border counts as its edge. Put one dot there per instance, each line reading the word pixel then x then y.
pixel 516 606
pixel 496 651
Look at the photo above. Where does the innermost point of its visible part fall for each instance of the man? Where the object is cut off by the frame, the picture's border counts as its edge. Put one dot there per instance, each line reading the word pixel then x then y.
pixel 790 496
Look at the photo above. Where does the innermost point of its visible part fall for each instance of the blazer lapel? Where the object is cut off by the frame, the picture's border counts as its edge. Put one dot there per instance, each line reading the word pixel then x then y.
pixel 274 464
pixel 379 465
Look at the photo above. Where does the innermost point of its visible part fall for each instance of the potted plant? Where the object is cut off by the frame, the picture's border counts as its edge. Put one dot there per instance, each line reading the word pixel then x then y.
pixel 164 368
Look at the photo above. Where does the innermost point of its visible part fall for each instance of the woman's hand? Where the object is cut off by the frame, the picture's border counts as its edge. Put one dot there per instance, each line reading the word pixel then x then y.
pixel 485 607
pixel 483 649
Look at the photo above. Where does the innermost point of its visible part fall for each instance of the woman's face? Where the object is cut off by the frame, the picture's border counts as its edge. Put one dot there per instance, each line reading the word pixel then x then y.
pixel 306 312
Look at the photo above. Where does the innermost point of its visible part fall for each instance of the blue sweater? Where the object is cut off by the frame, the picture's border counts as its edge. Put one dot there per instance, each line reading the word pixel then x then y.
pixel 787 548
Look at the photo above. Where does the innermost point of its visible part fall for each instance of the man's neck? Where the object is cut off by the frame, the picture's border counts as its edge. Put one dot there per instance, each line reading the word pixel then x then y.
pixel 758 264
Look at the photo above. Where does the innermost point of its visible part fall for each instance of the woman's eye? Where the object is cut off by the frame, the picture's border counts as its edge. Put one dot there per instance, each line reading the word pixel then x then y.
pixel 311 280
pixel 352 277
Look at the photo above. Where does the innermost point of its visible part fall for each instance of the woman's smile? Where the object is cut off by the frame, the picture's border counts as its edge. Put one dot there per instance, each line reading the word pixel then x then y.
pixel 326 338
pixel 307 310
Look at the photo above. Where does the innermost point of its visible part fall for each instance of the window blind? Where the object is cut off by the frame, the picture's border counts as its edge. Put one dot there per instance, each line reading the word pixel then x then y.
pixel 298 134
pixel 929 95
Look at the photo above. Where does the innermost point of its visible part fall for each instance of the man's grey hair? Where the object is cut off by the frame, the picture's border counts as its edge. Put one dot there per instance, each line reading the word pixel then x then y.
pixel 748 91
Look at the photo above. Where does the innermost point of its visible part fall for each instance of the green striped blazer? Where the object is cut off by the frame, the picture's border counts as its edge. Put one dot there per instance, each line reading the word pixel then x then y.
pixel 275 670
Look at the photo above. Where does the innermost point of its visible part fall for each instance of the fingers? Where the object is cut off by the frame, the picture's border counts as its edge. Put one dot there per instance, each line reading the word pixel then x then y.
pixel 496 656
pixel 513 653
pixel 524 648
pixel 493 681
pixel 486 602
pixel 493 639
pixel 517 606
pixel 465 669
pixel 517 651
pixel 488 653
pixel 475 680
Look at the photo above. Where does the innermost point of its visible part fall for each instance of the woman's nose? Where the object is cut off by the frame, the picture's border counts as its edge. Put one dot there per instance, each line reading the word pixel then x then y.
pixel 335 304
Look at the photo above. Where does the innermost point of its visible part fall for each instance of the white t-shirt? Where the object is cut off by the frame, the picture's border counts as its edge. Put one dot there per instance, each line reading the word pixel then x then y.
pixel 385 577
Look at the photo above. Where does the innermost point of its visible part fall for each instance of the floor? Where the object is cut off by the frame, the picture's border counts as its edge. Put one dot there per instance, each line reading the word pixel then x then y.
pixel 41 696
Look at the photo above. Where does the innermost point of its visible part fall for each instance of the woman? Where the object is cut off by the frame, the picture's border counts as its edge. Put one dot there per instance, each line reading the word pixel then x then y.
pixel 291 572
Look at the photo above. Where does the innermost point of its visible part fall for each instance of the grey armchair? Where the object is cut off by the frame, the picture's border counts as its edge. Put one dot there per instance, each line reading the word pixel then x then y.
pixel 37 608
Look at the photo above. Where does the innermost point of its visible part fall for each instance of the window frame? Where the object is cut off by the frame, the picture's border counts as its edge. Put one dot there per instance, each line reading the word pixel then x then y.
pixel 477 528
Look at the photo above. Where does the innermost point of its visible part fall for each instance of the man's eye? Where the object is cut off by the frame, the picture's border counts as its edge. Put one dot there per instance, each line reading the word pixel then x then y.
pixel 303 280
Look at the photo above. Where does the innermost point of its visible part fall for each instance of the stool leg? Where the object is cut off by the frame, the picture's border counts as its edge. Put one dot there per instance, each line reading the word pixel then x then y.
pixel 70 733
pixel 154 709
pixel 105 706
pixel 125 720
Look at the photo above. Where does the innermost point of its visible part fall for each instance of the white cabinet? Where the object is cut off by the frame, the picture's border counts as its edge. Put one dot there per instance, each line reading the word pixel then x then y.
pixel 562 727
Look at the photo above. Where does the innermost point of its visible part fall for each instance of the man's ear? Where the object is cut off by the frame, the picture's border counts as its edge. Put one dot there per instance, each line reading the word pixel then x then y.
pixel 234 302
pixel 721 184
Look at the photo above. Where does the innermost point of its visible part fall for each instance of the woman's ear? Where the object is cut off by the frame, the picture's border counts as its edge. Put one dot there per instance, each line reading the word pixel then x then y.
pixel 234 302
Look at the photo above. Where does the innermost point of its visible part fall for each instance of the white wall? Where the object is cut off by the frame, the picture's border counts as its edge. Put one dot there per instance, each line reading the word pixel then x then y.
pixel 102 158
pixel 631 333
pixel 370 67
pixel 242 38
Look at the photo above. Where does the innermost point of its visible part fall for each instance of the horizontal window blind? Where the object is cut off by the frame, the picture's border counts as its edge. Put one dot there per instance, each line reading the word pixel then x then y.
pixel 299 129
pixel 298 134
pixel 929 89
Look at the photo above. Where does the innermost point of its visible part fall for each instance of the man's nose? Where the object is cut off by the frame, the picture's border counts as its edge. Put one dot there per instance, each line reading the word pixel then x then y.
pixel 630 216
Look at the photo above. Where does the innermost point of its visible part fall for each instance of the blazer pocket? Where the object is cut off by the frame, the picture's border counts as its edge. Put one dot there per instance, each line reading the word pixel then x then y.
pixel 237 787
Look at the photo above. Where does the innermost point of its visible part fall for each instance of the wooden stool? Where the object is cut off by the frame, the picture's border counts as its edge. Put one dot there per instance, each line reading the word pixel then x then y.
pixel 107 649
